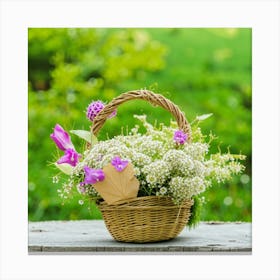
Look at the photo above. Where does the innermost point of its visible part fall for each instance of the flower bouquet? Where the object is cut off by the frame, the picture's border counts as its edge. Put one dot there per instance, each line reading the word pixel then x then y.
pixel 146 185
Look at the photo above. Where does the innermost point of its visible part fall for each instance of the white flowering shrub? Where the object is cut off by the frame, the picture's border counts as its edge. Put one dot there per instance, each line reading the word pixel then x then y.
pixel 163 166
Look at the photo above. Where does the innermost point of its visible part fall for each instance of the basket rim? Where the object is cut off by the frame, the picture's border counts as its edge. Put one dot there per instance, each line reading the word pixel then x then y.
pixel 124 204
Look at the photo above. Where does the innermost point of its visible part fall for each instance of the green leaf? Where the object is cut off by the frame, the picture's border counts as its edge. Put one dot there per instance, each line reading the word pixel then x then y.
pixel 86 135
pixel 203 117
pixel 65 168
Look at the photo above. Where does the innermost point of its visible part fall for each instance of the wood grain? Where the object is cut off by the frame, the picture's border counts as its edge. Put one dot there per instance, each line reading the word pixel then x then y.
pixel 91 236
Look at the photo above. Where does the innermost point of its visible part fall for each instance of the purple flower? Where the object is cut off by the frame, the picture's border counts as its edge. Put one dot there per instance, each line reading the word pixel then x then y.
pixel 94 108
pixel 93 175
pixel 180 137
pixel 71 157
pixel 61 138
pixel 119 164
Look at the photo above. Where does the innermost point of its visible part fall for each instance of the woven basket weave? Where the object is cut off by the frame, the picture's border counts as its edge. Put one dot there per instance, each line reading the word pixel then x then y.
pixel 149 218
pixel 145 219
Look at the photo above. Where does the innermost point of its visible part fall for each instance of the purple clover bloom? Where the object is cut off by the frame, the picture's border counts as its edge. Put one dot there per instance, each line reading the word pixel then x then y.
pixel 92 176
pixel 94 108
pixel 71 157
pixel 61 138
pixel 119 164
pixel 180 137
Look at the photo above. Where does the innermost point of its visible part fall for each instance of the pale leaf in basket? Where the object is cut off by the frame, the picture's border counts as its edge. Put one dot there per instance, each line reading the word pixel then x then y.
pixel 118 185
pixel 203 117
pixel 64 167
pixel 86 135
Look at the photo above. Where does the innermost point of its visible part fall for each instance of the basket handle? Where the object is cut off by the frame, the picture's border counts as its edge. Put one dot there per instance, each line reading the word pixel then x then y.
pixel 153 98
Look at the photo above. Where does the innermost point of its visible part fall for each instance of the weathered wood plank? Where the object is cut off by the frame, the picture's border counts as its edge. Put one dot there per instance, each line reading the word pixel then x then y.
pixel 91 236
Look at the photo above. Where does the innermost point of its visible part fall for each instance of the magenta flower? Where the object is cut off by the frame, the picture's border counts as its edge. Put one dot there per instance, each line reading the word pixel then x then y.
pixel 71 157
pixel 61 138
pixel 94 108
pixel 180 137
pixel 92 175
pixel 119 164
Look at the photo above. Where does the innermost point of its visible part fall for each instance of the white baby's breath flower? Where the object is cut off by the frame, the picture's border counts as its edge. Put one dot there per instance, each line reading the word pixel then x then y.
pixel 55 179
pixel 196 150
pixel 159 170
pixel 137 171
pixel 139 159
pixel 163 190
pixel 151 179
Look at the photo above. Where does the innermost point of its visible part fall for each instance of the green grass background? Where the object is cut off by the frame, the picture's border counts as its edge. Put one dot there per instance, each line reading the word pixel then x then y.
pixel 201 70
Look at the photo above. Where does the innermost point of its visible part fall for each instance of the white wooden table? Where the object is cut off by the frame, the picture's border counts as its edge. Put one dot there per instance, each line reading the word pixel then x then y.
pixel 92 237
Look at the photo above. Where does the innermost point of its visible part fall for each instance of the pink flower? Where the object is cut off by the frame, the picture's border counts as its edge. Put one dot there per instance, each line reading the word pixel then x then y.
pixel 71 157
pixel 92 176
pixel 119 164
pixel 180 137
pixel 61 138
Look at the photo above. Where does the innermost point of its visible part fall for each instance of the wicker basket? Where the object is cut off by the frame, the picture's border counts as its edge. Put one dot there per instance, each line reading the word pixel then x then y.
pixel 145 219
pixel 149 218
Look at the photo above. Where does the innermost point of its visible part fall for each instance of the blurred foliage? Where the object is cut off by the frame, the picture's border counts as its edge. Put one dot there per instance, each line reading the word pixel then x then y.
pixel 201 70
